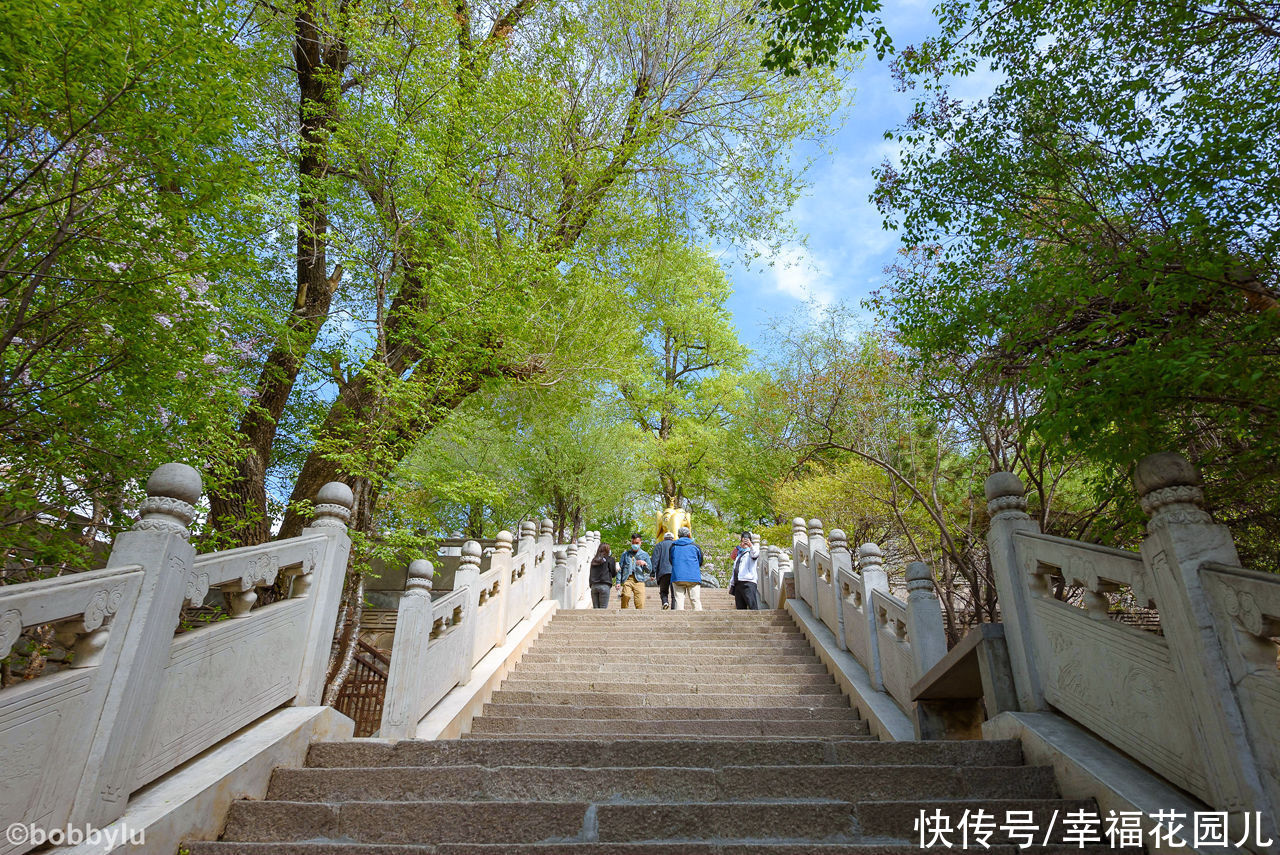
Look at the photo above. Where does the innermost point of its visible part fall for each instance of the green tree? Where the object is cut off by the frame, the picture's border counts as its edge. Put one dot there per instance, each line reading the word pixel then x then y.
pixel 125 217
pixel 1103 228
pixel 686 381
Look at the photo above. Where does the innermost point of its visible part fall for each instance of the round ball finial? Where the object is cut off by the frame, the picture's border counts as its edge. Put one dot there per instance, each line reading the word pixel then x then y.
pixel 333 505
pixel 172 491
pixel 999 484
pixel 562 557
pixel 919 577
pixel 869 555
pixel 1005 495
pixel 1169 490
pixel 546 528
pixel 1164 469
pixel 839 540
pixel 505 541
pixel 336 493
pixel 471 552
pixel 175 481
pixel 798 524
pixel 815 526
pixel 420 574
pixel 528 529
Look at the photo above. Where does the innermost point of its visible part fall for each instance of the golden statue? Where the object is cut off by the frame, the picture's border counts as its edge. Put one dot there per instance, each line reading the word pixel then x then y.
pixel 672 520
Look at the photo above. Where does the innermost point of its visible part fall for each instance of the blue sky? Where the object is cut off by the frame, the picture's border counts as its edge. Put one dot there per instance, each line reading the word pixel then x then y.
pixel 847 248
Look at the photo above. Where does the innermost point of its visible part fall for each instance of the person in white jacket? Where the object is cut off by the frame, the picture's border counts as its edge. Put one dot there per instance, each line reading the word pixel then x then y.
pixel 743 587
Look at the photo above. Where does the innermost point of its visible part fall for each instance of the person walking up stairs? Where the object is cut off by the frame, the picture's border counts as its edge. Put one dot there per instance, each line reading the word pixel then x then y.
pixel 646 733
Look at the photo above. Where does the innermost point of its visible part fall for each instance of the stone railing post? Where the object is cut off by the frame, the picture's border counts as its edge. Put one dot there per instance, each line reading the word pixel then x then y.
pixel 468 577
pixel 1181 538
pixel 924 620
pixel 817 543
pixel 560 576
pixel 159 542
pixel 323 583
pixel 546 532
pixel 800 567
pixel 1008 511
pixel 528 536
pixel 871 566
pixel 841 560
pixel 407 675
pixel 786 578
pixel 502 561
pixel 571 576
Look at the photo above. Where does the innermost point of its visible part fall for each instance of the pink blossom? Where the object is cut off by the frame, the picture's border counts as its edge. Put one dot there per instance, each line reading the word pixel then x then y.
pixel 244 391
pixel 210 358
pixel 181 376
pixel 164 321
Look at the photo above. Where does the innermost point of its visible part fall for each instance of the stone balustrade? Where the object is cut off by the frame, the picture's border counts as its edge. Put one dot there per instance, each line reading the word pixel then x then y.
pixel 440 635
pixel 137 700
pixel 895 641
pixel 1198 703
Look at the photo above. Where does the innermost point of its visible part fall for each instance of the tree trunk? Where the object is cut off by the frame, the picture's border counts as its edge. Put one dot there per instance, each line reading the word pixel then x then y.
pixel 238 507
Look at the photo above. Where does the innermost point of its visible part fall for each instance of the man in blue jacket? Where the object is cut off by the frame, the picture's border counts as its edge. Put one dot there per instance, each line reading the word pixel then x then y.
pixel 686 570
pixel 633 572
pixel 662 567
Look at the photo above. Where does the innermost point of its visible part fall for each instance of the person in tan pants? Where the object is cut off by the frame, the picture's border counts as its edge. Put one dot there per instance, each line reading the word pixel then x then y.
pixel 633 572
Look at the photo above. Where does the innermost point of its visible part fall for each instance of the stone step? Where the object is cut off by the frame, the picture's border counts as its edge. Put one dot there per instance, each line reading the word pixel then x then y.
pixel 760 847
pixel 644 638
pixel 651 783
pixel 648 697
pixel 667 628
pixel 802 666
pixel 518 684
pixel 800 658
pixel 623 676
pixel 663 645
pixel 435 822
pixel 668 617
pixel 664 752
pixel 666 713
pixel 744 727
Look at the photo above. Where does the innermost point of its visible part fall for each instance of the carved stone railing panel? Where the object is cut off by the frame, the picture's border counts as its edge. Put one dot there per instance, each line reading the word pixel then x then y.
pixel 1099 570
pixel 520 580
pixel 1119 683
pixel 894 645
pixel 1167 700
pixel 47 722
pixel 144 701
pixel 825 591
pixel 220 678
pixel 857 624
pixel 1246 605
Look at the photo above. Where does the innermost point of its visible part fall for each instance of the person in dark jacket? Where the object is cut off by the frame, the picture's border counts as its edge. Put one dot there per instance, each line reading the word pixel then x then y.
pixel 662 569
pixel 686 570
pixel 604 572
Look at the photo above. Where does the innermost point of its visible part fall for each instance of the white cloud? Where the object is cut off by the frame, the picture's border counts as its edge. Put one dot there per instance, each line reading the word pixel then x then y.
pixel 796 273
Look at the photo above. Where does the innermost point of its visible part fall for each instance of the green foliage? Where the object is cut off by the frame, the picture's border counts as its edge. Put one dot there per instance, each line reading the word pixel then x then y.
pixel 124 216
pixel 807 33
pixel 1103 228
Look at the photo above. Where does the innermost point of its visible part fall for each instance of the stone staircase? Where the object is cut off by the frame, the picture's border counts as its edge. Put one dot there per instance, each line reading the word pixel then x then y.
pixel 648 733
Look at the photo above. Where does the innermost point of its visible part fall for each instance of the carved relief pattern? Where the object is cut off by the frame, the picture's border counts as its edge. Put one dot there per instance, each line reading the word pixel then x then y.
pixel 1012 506
pixel 1114 681
pixel 10 629
pixel 197 587
pixel 101 605
pixel 262 571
